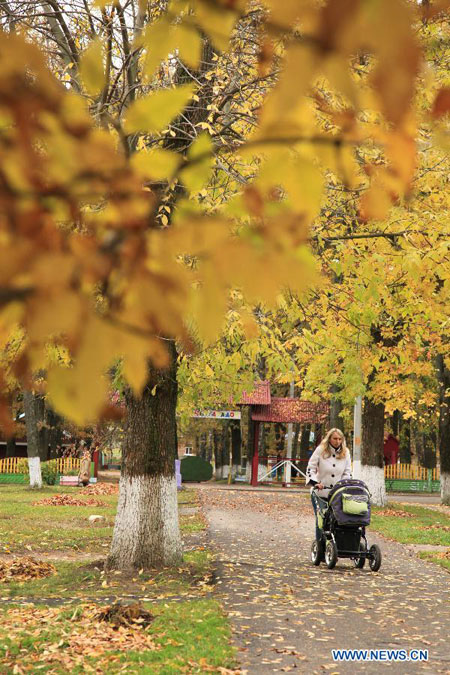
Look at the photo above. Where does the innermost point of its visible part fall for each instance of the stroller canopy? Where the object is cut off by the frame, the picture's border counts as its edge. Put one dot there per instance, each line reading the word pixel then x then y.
pixel 349 500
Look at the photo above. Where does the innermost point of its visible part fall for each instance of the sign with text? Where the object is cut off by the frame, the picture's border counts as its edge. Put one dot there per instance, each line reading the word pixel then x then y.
pixel 218 414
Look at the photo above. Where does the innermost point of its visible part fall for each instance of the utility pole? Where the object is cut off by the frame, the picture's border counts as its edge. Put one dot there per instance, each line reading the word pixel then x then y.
pixel 287 469
pixel 357 428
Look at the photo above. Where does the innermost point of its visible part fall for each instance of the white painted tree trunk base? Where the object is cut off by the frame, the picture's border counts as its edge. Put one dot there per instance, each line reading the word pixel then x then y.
pixel 146 531
pixel 34 468
pixel 373 477
pixel 445 487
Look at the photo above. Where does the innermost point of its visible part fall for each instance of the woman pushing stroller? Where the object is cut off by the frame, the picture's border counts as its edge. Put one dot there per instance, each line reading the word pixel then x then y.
pixel 329 463
pixel 341 505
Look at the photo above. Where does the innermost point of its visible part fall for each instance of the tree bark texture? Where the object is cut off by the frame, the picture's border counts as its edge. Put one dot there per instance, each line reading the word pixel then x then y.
pixel 236 446
pixel 295 439
pixel 37 438
pixel 10 447
pixel 146 532
pixel 304 442
pixel 336 421
pixel 372 464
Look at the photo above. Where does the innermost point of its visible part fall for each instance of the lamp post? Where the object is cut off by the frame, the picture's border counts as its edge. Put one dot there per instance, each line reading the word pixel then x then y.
pixel 357 426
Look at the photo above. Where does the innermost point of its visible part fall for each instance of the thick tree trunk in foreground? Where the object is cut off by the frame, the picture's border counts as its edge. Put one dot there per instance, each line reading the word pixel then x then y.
pixel 444 427
pixel 146 531
pixel 34 408
pixel 372 465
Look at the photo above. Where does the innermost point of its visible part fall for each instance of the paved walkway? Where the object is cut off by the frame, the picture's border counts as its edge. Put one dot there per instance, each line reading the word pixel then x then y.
pixel 287 615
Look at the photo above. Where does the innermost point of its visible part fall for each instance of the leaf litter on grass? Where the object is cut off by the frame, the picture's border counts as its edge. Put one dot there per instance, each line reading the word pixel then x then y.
pixel 102 489
pixel 397 514
pixel 69 500
pixel 81 635
pixel 24 569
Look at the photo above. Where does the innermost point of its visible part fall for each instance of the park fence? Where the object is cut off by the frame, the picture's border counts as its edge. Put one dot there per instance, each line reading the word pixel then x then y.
pixel 15 469
pixel 409 472
pixel 411 478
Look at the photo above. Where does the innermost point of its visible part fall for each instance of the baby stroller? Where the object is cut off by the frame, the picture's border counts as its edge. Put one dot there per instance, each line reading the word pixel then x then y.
pixel 343 520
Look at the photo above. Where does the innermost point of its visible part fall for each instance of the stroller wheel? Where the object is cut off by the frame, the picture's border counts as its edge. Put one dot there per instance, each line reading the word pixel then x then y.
pixel 316 552
pixel 331 554
pixel 361 560
pixel 374 557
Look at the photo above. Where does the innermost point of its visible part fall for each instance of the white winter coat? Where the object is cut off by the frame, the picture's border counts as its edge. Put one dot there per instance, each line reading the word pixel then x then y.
pixel 327 470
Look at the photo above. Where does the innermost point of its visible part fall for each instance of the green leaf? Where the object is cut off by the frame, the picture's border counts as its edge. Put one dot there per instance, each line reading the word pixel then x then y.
pixel 154 112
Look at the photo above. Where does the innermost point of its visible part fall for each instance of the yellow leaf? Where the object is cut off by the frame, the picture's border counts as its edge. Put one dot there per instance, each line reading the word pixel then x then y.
pixel 158 42
pixel 53 314
pixel 77 394
pixel 196 176
pixel 217 22
pixel 157 164
pixel 136 353
pixel 91 68
pixel 189 44
pixel 154 112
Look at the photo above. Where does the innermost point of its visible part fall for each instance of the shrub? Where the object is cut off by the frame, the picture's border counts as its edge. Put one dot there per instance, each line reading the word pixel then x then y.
pixel 49 472
pixel 22 465
pixel 195 469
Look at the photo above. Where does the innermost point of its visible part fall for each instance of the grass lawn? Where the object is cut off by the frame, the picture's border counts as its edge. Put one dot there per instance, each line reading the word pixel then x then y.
pixel 87 580
pixel 27 528
pixel 412 524
pixel 186 637
pixel 442 559
pixel 189 632
pixel 415 525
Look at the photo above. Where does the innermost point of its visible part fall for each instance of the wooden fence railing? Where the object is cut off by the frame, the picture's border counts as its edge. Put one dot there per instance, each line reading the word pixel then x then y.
pixel 409 472
pixel 20 464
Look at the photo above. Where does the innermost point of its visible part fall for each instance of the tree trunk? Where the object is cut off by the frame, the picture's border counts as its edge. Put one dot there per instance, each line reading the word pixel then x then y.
pixel 37 437
pixel 146 531
pixel 217 454
pixel 203 446
pixel 396 423
pixel 295 440
pixel 236 446
pixel 336 421
pixel 304 444
pixel 404 437
pixel 444 427
pixel 280 431
pixel 247 432
pixel 372 466
pixel 10 447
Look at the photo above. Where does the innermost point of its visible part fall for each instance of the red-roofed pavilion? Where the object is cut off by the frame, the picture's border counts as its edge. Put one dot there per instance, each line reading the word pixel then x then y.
pixel 265 408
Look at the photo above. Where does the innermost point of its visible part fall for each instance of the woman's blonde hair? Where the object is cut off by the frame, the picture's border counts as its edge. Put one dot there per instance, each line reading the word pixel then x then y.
pixel 325 443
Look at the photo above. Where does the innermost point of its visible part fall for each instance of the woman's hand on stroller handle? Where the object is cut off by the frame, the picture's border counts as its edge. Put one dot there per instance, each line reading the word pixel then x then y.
pixel 318 486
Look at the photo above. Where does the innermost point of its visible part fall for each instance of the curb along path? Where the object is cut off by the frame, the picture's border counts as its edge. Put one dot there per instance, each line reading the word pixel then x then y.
pixel 287 615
